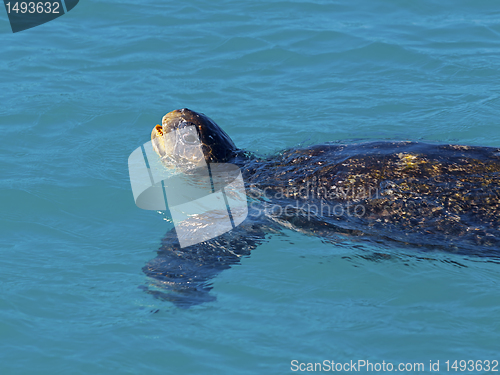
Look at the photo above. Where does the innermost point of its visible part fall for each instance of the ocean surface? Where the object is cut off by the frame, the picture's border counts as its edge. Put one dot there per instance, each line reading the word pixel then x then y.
pixel 82 92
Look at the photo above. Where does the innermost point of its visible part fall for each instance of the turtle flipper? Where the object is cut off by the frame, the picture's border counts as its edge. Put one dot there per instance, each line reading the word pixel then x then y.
pixel 182 275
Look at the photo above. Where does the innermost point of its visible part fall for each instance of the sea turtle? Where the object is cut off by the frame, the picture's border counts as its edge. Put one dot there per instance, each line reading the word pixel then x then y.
pixel 431 196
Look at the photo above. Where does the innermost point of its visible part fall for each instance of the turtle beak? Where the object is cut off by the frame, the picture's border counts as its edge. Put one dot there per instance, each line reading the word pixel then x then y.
pixel 158 141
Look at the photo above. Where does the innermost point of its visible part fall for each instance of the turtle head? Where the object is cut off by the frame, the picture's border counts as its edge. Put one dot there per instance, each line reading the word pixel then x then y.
pixel 188 136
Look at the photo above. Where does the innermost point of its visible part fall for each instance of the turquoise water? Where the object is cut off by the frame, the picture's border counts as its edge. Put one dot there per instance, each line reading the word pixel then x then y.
pixel 80 93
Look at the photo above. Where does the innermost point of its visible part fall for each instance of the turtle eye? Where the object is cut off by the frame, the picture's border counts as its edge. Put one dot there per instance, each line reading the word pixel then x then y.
pixel 190 139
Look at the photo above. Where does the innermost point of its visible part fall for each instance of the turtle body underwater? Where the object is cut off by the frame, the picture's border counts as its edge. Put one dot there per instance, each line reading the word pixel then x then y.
pixel 428 196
